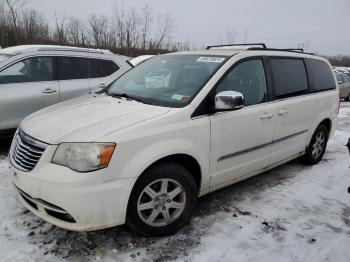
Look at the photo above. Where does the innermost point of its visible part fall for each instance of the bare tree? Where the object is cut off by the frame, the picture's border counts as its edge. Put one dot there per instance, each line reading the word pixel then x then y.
pixel 99 30
pixel 34 27
pixel 15 7
pixel 165 28
pixel 76 32
pixel 60 34
pixel 131 31
pixel 147 19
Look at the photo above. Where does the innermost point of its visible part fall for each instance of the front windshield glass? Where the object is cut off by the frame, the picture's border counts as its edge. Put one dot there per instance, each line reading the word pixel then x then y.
pixel 167 80
pixel 4 57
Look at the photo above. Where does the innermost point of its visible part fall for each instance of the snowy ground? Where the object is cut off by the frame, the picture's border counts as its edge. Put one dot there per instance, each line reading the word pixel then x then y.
pixel 292 213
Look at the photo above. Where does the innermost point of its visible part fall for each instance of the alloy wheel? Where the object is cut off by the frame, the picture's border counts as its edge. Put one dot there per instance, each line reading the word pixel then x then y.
pixel 161 202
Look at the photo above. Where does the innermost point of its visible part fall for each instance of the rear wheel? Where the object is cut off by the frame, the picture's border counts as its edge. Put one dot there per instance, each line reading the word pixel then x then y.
pixel 162 200
pixel 317 146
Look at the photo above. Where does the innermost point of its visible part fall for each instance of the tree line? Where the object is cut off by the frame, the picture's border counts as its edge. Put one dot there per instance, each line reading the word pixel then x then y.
pixel 128 31
pixel 339 60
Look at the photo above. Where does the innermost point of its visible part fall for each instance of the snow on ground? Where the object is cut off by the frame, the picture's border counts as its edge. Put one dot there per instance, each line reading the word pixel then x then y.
pixel 292 213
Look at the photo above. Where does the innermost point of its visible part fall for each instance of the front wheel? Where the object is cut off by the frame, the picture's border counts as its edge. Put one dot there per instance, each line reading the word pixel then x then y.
pixel 162 200
pixel 317 146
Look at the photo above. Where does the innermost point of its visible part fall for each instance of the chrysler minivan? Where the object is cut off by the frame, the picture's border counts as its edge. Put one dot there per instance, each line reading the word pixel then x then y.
pixel 172 129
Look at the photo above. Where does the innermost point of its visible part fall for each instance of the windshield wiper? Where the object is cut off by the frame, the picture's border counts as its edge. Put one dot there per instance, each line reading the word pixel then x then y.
pixel 126 96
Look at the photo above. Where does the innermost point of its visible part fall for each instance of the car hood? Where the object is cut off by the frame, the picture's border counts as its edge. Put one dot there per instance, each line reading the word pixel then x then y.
pixel 87 118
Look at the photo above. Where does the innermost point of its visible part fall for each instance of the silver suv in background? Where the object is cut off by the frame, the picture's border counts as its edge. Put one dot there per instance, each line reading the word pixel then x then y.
pixel 344 85
pixel 33 77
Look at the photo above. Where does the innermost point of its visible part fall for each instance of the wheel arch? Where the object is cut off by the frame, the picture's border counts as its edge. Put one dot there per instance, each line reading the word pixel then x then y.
pixel 187 161
pixel 327 122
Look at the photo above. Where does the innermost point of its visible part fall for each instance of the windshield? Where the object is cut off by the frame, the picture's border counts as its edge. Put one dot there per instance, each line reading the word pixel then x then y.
pixel 4 57
pixel 167 80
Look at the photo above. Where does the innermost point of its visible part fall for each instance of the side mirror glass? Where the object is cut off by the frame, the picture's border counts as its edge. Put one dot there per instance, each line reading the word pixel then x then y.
pixel 229 100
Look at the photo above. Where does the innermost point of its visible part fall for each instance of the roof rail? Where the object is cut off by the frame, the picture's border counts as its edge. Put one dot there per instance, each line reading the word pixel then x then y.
pixel 262 46
pixel 249 44
pixel 292 50
pixel 75 49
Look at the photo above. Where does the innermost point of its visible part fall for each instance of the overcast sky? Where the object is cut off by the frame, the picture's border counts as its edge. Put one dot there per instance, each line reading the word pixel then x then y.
pixel 323 24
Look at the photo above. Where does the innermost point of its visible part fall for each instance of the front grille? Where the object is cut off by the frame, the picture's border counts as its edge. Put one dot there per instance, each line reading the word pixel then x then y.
pixel 26 151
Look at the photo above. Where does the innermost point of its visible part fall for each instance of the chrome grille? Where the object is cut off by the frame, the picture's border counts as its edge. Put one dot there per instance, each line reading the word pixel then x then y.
pixel 26 151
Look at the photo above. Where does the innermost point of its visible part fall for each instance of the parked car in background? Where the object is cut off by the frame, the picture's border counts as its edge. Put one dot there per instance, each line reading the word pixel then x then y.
pixel 344 85
pixel 36 76
pixel 144 151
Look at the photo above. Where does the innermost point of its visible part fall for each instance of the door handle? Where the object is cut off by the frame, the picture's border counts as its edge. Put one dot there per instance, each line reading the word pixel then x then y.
pixel 267 115
pixel 283 112
pixel 48 91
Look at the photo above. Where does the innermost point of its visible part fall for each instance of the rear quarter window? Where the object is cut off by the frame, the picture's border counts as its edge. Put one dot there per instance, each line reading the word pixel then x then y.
pixel 289 76
pixel 102 68
pixel 321 75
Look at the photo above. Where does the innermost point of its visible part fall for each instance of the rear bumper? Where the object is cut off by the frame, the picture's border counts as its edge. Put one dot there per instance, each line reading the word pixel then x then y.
pixel 80 205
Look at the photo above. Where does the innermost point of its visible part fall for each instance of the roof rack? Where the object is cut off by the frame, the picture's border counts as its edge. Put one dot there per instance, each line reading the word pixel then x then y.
pixel 292 50
pixel 75 49
pixel 262 46
pixel 250 44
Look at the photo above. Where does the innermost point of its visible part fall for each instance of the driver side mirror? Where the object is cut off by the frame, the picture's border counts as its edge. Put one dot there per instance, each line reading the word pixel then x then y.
pixel 229 100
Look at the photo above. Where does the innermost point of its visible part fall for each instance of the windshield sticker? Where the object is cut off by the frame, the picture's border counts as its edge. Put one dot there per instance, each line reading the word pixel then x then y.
pixel 180 98
pixel 207 59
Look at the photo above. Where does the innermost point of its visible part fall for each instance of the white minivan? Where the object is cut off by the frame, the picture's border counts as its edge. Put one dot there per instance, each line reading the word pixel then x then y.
pixel 170 130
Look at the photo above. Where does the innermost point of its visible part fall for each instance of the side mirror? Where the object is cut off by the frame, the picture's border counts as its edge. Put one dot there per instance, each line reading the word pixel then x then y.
pixel 340 82
pixel 229 100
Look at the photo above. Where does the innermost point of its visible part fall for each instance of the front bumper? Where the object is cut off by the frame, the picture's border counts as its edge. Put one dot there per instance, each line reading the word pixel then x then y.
pixel 70 200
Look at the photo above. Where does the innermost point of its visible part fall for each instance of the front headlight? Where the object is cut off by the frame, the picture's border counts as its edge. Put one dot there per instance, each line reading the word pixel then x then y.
pixel 84 157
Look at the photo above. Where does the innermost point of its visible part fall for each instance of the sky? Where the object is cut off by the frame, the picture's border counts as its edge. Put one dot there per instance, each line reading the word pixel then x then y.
pixel 321 26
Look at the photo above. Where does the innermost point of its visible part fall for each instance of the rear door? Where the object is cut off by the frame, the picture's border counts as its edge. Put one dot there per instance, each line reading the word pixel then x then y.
pixel 73 76
pixel 25 87
pixel 295 107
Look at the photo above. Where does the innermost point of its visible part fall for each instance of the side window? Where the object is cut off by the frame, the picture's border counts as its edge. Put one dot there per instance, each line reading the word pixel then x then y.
pixel 247 78
pixel 73 68
pixel 289 76
pixel 321 74
pixel 109 67
pixel 35 69
pixel 346 78
pixel 102 68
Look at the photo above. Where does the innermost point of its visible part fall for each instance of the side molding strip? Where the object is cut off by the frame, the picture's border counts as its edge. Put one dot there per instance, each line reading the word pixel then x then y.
pixel 245 151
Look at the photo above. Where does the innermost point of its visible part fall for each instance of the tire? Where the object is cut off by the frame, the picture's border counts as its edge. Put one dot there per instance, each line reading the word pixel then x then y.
pixel 155 209
pixel 317 146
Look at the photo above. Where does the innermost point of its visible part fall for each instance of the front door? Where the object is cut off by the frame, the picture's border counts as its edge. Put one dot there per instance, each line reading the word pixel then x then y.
pixel 25 87
pixel 241 139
